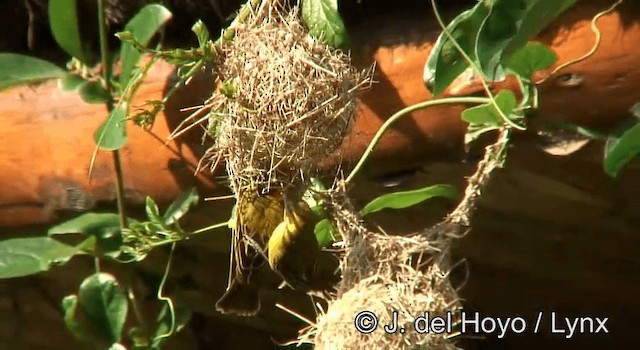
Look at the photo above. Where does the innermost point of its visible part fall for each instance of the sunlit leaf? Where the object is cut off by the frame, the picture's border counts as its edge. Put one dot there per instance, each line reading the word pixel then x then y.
pixel 153 213
pixel 28 256
pixel 508 27
pixel 142 26
pixel 18 70
pixel 404 199
pixel 445 63
pixel 112 134
pixel 324 22
pixel 530 59
pixel 620 150
pixel 105 227
pixel 93 92
pixel 486 114
pixel 181 206
pixel 63 20
pixel 325 233
pixel 71 82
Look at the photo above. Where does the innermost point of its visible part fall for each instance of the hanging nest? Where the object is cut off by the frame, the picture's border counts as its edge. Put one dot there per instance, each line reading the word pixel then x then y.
pixel 288 100
pixel 382 274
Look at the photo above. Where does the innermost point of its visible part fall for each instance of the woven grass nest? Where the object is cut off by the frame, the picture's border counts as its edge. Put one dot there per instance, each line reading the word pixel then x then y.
pixel 382 274
pixel 290 101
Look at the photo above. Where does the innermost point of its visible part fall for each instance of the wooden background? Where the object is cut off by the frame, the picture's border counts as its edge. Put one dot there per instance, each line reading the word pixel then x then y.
pixel 553 232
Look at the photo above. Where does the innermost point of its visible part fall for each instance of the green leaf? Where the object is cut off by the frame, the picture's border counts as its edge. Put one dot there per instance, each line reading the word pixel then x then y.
pixel 311 199
pixel 142 26
pixel 486 114
pixel 181 206
pixel 20 69
pixel 70 308
pixel 63 20
pixel 28 256
pixel 620 150
pixel 105 227
pixel 93 92
pixel 90 224
pixel 404 199
pixel 635 109
pixel 163 322
pixel 104 302
pixel 201 32
pixel 112 134
pixel 509 26
pixel 71 82
pixel 153 213
pixel 325 233
pixel 530 59
pixel 445 63
pixel 324 22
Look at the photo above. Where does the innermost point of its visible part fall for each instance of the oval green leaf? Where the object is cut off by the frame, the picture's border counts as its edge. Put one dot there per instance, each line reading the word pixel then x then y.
pixel 487 115
pixel 90 224
pixel 153 213
pixel 620 150
pixel 18 69
pixel 445 62
pixel 63 20
pixel 181 206
pixel 71 82
pixel 28 256
pixel 508 27
pixel 105 227
pixel 142 26
pixel 104 302
pixel 93 92
pixel 324 22
pixel 404 199
pixel 530 59
pixel 112 134
pixel 325 233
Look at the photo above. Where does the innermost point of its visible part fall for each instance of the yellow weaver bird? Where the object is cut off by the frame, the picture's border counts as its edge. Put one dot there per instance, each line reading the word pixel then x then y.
pixel 257 215
pixel 294 251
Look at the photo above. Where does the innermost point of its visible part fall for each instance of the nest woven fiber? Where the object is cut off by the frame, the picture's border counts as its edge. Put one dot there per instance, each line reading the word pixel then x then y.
pixel 292 101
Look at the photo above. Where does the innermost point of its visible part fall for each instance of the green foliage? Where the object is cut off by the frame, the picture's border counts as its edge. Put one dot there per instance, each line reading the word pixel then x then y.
pixel 180 206
pixel 485 117
pixel 93 92
pixel 71 82
pixel 490 34
pixel 27 256
pixel 142 26
pixel 446 62
pixel 325 231
pixel 324 22
pixel 102 231
pixel 621 149
pixel 98 312
pixel 18 70
pixel 112 134
pixel 530 59
pixel 508 27
pixel 405 199
pixel 63 20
